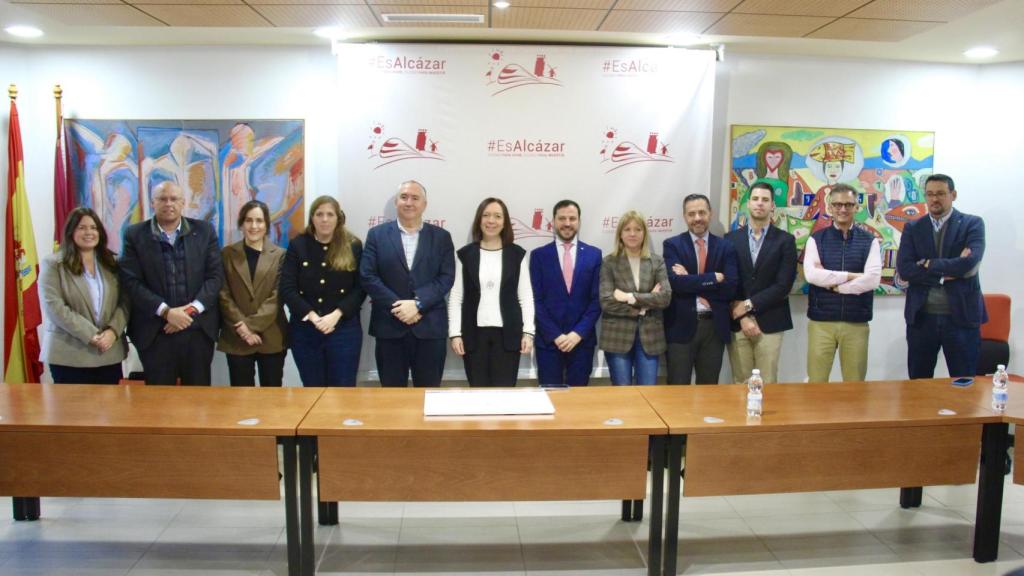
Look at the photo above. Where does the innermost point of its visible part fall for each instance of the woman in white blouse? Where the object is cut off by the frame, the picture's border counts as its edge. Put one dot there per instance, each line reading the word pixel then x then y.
pixel 490 307
pixel 86 314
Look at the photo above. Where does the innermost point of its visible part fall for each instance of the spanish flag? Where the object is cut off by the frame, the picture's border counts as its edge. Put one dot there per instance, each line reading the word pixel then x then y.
pixel 21 268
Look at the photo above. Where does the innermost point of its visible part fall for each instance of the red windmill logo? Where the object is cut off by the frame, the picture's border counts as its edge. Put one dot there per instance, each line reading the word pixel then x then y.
pixel 394 149
pixel 509 75
pixel 621 153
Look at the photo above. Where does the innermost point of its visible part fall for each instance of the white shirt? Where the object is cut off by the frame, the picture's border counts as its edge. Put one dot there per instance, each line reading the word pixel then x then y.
pixel 410 241
pixel 816 274
pixel 488 312
pixel 96 288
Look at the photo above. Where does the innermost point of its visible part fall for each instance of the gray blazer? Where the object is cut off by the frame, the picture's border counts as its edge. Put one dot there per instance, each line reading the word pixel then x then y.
pixel 619 320
pixel 69 323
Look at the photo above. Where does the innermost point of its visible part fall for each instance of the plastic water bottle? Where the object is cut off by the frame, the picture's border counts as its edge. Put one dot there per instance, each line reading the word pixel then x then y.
pixel 755 397
pixel 999 393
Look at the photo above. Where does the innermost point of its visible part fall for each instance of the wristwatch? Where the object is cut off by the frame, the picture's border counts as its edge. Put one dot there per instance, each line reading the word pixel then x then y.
pixel 748 306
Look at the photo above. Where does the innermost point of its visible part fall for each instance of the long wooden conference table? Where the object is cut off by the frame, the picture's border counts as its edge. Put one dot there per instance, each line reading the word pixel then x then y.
pixel 151 442
pixel 375 444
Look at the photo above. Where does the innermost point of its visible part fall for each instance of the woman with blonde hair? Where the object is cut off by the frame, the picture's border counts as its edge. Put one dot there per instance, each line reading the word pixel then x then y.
pixel 634 290
pixel 320 285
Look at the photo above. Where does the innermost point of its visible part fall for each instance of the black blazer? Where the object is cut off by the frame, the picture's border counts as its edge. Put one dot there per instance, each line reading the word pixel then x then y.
pixel 141 272
pixel 309 285
pixel 768 283
pixel 511 311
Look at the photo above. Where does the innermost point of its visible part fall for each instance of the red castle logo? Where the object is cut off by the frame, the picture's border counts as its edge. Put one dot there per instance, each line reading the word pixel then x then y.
pixel 538 227
pixel 624 152
pixel 507 76
pixel 395 149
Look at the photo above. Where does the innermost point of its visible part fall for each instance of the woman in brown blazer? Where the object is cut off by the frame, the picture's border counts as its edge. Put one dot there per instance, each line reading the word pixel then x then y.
pixel 253 324
pixel 86 313
pixel 634 290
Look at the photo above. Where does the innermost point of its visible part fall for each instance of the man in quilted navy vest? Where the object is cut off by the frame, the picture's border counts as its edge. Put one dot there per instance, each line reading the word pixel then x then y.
pixel 843 264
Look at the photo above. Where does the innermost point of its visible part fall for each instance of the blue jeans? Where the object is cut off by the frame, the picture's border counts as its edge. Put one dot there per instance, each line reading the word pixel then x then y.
pixel 960 346
pixel 327 359
pixel 633 367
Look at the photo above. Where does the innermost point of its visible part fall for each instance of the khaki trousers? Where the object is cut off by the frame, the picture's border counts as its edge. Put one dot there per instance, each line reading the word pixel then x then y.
pixel 761 352
pixel 824 338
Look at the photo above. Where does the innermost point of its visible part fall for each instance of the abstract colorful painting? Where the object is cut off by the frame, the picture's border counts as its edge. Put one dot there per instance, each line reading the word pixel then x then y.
pixel 886 167
pixel 113 165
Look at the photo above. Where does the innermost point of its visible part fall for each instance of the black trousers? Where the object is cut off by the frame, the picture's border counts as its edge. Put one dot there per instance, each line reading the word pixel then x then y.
pixel 110 374
pixel 702 355
pixel 186 355
pixel 242 368
pixel 397 357
pixel 489 364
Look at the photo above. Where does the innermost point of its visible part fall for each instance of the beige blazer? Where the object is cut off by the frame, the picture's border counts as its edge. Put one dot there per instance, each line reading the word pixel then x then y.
pixel 68 315
pixel 253 301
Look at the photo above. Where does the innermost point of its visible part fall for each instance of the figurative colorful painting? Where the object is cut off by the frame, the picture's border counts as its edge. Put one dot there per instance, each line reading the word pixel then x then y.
pixel 219 164
pixel 886 167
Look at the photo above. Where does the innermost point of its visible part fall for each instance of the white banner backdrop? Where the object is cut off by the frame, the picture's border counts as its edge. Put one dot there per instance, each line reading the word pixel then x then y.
pixel 612 128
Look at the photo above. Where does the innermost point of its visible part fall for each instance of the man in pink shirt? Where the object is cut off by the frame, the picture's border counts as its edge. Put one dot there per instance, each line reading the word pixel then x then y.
pixel 843 264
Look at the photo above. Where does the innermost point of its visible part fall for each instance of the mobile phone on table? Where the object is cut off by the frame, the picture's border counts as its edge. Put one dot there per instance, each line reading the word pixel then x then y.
pixel 963 382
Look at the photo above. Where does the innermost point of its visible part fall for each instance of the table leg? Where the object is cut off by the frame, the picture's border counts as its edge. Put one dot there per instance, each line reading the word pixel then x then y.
pixel 675 465
pixel 654 538
pixel 26 508
pixel 308 546
pixel 291 506
pixel 990 492
pixel 911 497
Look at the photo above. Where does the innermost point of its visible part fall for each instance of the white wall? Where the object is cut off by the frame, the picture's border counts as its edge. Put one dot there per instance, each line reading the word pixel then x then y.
pixel 974 111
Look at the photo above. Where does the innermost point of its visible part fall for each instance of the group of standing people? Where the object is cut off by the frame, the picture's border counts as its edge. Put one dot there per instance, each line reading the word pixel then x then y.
pixel 177 295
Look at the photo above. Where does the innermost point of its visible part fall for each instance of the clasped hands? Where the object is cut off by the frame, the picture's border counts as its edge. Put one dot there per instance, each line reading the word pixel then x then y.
pixel 406 311
pixel 104 340
pixel 325 324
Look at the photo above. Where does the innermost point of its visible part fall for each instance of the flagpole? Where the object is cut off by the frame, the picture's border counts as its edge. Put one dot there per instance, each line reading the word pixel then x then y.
pixel 57 93
pixel 12 91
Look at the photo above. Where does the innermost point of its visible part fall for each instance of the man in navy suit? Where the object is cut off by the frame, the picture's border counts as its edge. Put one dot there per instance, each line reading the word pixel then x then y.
pixel 939 256
pixel 171 272
pixel 566 275
pixel 408 267
pixel 703 274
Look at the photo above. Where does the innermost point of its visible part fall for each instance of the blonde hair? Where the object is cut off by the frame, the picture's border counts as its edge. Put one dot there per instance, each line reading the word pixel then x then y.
pixel 628 218
pixel 339 253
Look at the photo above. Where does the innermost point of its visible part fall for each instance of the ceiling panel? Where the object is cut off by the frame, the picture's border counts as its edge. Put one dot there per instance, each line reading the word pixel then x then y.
pixel 292 2
pixel 114 2
pixel 483 3
pixel 834 8
pixel 667 6
pixel 548 18
pixel 924 10
pixel 873 30
pixel 431 10
pixel 192 15
pixel 191 2
pixel 94 14
pixel 658 22
pixel 765 25
pixel 315 16
pixel 590 4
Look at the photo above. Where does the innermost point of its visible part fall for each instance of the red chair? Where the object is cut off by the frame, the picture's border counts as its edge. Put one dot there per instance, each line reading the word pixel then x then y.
pixel 995 334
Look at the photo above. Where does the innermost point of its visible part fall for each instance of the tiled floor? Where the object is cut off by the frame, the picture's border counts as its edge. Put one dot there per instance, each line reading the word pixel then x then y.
pixel 832 533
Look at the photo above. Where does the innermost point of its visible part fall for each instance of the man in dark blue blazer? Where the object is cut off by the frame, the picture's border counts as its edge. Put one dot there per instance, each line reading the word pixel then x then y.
pixel 408 267
pixel 939 256
pixel 170 270
pixel 698 321
pixel 566 276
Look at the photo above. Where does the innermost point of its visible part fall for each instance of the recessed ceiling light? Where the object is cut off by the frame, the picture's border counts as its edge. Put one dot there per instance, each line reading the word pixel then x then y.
pixel 24 31
pixel 434 18
pixel 330 33
pixel 980 52
pixel 502 4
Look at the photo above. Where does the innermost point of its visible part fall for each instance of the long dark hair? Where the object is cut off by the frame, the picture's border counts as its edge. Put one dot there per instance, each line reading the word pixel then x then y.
pixel 507 237
pixel 70 256
pixel 339 253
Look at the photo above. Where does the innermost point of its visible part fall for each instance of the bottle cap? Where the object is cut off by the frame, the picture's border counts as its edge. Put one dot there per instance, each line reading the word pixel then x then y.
pixel 756 371
pixel 1001 367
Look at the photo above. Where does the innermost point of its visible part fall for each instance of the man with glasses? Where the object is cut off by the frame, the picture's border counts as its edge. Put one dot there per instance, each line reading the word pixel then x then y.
pixel 939 256
pixel 171 272
pixel 843 264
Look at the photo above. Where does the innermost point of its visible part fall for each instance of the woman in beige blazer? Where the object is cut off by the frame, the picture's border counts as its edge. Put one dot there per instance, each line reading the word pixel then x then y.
pixel 633 292
pixel 83 341
pixel 252 321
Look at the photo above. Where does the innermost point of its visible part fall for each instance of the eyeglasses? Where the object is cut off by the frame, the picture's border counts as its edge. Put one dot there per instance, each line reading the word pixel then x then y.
pixel 844 205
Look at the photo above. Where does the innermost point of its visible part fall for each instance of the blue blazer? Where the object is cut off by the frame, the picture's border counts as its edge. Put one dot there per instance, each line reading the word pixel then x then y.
pixel 386 277
pixel 558 311
pixel 963 288
pixel 681 314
